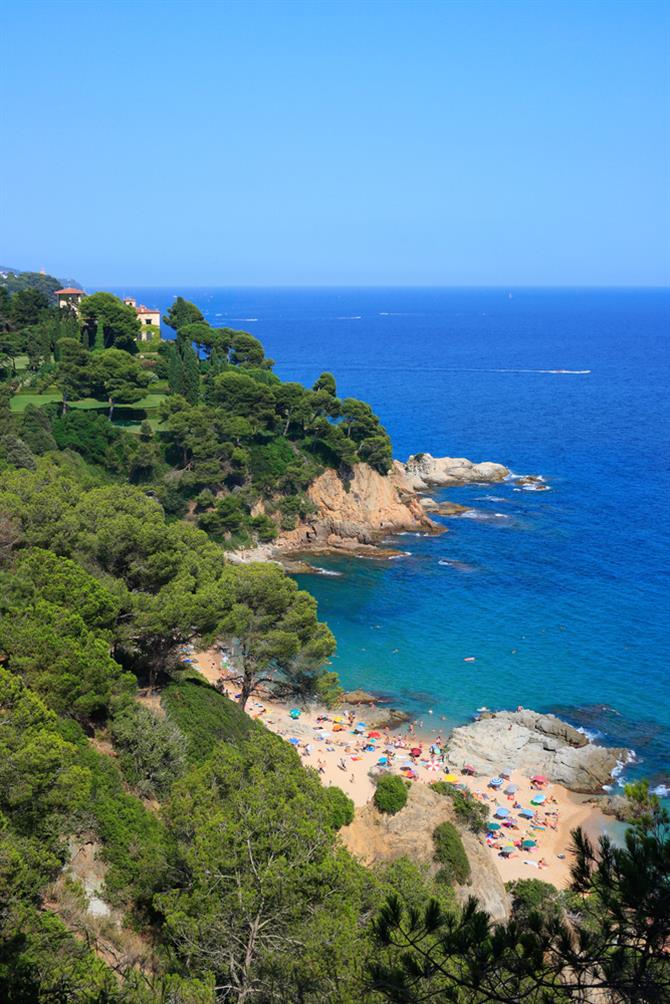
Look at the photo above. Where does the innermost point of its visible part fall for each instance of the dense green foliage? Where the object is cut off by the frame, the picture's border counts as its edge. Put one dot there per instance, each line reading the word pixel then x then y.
pixel 205 717
pixel 450 855
pixel 530 896
pixel 152 751
pixel 390 794
pixel 341 807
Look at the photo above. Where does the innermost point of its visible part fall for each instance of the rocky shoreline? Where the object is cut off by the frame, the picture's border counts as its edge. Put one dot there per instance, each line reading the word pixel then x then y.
pixel 354 515
pixel 528 741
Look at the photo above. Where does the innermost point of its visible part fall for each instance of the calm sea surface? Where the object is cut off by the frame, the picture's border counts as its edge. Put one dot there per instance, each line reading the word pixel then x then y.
pixel 560 596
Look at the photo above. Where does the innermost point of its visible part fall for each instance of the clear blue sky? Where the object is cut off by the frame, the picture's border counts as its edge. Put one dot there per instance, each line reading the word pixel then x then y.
pixel 448 143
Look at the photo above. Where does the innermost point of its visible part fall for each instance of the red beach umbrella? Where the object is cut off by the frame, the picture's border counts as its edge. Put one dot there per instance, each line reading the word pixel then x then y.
pixel 374 735
pixel 539 779
pixel 415 751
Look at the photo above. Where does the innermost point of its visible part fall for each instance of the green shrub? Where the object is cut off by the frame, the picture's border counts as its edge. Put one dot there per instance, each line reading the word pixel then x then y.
pixel 270 460
pixel 469 811
pixel 341 806
pixel 390 794
pixel 450 853
pixel 263 527
pixel 205 717
pixel 152 750
pixel 534 896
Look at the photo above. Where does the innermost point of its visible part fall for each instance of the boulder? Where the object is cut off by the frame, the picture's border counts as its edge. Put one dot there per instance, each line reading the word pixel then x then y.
pixel 535 744
pixel 358 697
pixel 444 508
pixel 423 470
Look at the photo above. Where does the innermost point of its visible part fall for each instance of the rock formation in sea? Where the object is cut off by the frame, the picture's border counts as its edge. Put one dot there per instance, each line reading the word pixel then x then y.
pixel 375 838
pixel 536 744
pixel 354 513
pixel 424 471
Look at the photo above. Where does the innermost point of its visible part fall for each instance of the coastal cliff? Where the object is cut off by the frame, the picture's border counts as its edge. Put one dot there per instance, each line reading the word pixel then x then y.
pixel 356 512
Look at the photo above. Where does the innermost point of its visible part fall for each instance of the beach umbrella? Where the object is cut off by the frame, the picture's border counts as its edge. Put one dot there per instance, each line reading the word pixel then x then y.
pixel 294 741
pixel 295 712
pixel 361 725
pixel 538 800
pixel 539 779
pixel 495 782
pixel 527 813
pixel 511 789
pixel 501 812
pixel 374 735
pixel 451 778
pixel 493 826
pixel 505 774
pixel 529 843
pixel 506 850
pixel 468 768
pixel 415 751
pixel 383 760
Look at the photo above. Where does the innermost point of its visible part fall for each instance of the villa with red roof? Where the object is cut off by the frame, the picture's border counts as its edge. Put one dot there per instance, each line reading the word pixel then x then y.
pixel 147 316
pixel 70 297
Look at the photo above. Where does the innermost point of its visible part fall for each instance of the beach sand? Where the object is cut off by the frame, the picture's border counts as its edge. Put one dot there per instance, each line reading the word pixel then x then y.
pixel 562 812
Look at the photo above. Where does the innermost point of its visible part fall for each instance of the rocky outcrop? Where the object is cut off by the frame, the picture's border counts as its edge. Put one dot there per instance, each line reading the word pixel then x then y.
pixel 535 744
pixel 375 839
pixel 444 508
pixel 357 512
pixel 354 513
pixel 423 471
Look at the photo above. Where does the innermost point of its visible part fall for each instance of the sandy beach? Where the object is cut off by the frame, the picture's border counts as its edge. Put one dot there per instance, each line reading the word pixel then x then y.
pixel 339 746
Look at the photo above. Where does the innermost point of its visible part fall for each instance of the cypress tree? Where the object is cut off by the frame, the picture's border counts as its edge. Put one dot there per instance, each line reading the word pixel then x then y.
pixel 174 370
pixel 190 374
pixel 99 342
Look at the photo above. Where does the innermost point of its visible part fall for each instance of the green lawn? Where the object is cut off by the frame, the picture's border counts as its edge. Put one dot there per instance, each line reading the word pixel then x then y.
pixel 20 401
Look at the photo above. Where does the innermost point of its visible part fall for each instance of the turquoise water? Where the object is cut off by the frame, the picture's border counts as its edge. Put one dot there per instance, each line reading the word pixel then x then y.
pixel 560 596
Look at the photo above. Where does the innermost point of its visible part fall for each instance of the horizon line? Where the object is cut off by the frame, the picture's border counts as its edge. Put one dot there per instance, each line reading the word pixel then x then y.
pixel 462 286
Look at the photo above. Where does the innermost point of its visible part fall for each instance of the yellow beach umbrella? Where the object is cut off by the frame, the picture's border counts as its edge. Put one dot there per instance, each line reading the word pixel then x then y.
pixel 451 778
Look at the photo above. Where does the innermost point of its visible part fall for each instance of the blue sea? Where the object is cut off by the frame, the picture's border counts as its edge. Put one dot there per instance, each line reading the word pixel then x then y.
pixel 560 596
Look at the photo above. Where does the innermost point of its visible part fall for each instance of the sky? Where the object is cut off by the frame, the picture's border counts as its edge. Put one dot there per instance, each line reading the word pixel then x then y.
pixel 334 143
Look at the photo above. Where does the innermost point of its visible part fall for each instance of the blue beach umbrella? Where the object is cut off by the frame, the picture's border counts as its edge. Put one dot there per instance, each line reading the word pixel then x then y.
pixel 501 812
pixel 495 782
pixel 294 741
pixel 493 826
pixel 295 712
pixel 511 789
pixel 527 813
pixel 538 800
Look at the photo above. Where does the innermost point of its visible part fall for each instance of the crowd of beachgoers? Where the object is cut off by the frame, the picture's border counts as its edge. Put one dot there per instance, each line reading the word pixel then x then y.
pixel 529 818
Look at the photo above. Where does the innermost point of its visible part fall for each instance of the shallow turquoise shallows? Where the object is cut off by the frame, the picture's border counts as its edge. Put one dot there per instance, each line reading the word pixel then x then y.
pixel 560 596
